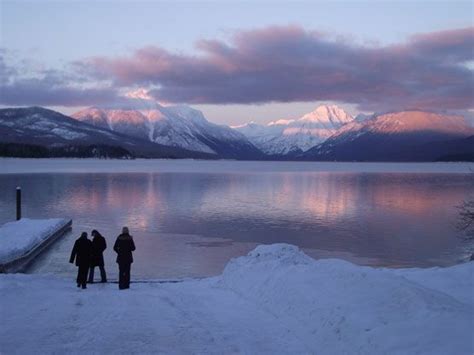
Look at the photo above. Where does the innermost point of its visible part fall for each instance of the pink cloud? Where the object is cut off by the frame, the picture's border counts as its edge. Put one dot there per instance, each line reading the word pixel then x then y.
pixel 285 64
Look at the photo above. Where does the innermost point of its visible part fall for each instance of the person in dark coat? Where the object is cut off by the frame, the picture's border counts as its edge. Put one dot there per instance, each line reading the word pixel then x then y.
pixel 97 258
pixel 82 253
pixel 124 246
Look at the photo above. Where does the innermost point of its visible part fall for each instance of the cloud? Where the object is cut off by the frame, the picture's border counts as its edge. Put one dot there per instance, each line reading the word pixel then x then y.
pixel 452 46
pixel 48 88
pixel 33 92
pixel 273 64
pixel 285 64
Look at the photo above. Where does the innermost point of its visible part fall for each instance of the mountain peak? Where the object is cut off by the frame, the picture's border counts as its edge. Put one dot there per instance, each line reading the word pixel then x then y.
pixel 417 120
pixel 328 113
pixel 292 135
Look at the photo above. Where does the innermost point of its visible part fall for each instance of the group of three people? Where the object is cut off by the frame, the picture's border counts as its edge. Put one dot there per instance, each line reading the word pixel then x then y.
pixel 89 254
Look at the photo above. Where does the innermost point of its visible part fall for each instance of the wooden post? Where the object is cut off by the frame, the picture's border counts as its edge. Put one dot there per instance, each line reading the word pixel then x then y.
pixel 18 203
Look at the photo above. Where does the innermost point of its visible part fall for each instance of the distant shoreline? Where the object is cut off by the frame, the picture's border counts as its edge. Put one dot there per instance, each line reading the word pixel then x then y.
pixel 96 165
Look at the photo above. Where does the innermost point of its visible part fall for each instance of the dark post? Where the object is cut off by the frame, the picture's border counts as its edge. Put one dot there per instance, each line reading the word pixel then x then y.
pixel 18 203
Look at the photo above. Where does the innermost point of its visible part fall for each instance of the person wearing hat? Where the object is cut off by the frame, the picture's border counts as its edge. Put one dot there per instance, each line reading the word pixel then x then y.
pixel 82 253
pixel 124 246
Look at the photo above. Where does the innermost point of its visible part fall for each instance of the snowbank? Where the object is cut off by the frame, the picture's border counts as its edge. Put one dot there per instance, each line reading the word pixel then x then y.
pixel 275 300
pixel 336 305
pixel 20 237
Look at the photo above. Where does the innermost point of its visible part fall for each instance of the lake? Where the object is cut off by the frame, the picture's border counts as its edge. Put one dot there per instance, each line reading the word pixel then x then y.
pixel 189 218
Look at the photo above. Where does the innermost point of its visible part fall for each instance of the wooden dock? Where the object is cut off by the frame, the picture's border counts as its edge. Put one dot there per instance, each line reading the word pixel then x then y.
pixel 21 263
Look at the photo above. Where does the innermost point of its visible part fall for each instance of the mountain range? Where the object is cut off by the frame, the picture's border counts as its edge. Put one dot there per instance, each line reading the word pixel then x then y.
pixel 174 126
pixel 33 127
pixel 289 137
pixel 399 136
pixel 148 129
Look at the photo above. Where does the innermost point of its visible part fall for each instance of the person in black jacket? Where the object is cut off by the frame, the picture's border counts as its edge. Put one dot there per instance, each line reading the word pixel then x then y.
pixel 124 246
pixel 82 253
pixel 97 258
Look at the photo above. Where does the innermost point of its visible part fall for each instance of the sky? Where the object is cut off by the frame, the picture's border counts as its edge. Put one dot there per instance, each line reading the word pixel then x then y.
pixel 239 61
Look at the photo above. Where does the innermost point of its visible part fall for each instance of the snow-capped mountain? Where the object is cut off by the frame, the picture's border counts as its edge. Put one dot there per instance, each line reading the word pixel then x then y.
pixel 397 136
pixel 174 126
pixel 47 128
pixel 292 136
pixel 159 131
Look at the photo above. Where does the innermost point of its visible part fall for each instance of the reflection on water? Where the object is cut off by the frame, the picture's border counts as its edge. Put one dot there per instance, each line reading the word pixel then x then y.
pixel 191 224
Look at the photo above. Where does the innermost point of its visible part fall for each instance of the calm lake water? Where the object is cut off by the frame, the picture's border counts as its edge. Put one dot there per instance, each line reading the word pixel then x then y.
pixel 189 218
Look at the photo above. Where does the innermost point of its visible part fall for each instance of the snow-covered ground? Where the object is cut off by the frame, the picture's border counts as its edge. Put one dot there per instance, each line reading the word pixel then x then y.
pixel 20 237
pixel 274 300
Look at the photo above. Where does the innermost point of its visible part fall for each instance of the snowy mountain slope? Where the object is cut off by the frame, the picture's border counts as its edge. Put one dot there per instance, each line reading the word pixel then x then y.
pixel 175 126
pixel 284 137
pixel 398 136
pixel 40 126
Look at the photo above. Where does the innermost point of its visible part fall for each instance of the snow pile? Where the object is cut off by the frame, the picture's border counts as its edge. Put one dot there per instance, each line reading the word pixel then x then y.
pixel 20 237
pixel 333 304
pixel 275 300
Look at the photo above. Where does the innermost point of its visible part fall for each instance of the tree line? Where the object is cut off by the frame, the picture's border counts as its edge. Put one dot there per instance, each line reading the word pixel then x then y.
pixel 22 150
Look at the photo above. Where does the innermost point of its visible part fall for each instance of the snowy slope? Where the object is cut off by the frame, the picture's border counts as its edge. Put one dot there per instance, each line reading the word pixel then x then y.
pixel 288 136
pixel 275 300
pixel 176 126
pixel 405 135
pixel 40 126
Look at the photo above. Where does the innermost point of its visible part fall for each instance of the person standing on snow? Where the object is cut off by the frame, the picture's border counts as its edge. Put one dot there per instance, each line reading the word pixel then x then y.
pixel 82 253
pixel 124 246
pixel 97 258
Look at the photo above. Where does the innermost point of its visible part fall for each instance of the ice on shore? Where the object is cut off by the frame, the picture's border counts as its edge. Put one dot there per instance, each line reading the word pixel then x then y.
pixel 19 237
pixel 275 300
